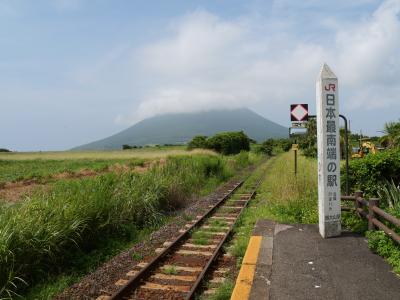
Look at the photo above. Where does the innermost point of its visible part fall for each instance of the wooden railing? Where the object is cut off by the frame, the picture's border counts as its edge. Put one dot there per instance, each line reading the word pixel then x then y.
pixel 370 210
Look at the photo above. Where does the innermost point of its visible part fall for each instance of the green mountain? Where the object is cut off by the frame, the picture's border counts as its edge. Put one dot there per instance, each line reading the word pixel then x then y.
pixel 179 128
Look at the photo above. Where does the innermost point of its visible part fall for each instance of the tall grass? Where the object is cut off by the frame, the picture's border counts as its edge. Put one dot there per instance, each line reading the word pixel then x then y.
pixel 292 198
pixel 389 193
pixel 282 197
pixel 41 235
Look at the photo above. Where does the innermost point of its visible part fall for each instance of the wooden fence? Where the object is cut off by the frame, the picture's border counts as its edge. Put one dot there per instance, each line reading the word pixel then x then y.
pixel 370 210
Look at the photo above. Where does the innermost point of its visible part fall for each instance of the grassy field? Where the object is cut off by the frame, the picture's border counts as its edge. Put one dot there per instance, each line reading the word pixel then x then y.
pixel 42 165
pixel 142 153
pixel 42 239
pixel 41 170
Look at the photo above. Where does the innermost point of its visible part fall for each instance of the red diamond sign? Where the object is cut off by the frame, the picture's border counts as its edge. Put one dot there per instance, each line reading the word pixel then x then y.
pixel 298 112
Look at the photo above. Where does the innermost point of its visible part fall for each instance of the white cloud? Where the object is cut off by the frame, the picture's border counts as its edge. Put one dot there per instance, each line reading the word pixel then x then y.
pixel 211 63
pixel 369 52
pixel 206 62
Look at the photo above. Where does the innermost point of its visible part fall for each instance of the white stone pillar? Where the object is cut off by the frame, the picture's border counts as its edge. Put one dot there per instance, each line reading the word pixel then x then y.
pixel 328 153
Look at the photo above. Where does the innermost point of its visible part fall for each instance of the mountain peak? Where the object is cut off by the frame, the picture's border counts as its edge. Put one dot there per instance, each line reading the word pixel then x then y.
pixel 180 128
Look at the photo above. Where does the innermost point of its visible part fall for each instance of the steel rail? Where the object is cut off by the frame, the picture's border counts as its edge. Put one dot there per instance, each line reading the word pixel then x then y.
pixel 135 280
pixel 219 247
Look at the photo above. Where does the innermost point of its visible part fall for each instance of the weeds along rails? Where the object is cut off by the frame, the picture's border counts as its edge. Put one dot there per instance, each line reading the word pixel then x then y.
pixel 179 269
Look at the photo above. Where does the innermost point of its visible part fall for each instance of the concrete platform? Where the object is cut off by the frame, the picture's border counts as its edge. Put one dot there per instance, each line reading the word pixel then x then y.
pixel 294 262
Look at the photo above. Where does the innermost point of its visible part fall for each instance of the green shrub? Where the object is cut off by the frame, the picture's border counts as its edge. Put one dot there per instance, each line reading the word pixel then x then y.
pixel 368 173
pixel 242 159
pixel 383 245
pixel 266 147
pixel 229 142
pixel 308 142
pixel 352 221
pixel 283 144
pixel 199 141
pixel 126 147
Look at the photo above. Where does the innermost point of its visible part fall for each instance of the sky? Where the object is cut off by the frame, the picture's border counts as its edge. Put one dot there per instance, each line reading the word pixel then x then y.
pixel 74 71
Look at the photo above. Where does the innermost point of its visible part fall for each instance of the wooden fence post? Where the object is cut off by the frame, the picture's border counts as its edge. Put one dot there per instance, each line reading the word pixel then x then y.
pixel 358 194
pixel 371 214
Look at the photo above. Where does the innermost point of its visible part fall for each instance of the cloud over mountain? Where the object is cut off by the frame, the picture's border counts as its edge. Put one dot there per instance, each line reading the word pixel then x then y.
pixel 203 61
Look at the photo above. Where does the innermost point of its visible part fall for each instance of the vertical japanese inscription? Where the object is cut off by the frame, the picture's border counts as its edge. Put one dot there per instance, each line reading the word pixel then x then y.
pixel 328 153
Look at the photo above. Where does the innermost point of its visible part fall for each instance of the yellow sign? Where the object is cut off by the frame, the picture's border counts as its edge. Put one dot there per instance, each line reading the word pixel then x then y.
pixel 295 147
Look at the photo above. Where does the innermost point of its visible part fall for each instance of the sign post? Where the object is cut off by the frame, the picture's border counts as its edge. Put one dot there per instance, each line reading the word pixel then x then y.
pixel 328 153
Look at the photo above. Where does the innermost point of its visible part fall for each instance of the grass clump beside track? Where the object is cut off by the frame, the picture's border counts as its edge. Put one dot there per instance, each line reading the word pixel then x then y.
pixel 42 236
pixel 171 270
pixel 223 291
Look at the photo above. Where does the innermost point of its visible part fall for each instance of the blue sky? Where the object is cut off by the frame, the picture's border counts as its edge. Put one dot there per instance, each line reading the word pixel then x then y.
pixel 73 71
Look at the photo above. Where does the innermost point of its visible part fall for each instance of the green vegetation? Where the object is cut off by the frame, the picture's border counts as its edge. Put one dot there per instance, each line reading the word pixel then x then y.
pixel 368 173
pixel 201 241
pixel 308 142
pixel 229 142
pixel 379 175
pixel 291 199
pixel 389 194
pixel 223 291
pixel 225 142
pixel 199 141
pixel 171 270
pixel 391 137
pixel 281 197
pixel 142 153
pixel 136 256
pixel 128 147
pixel 38 169
pixel 200 238
pixel 383 245
pixel 83 262
pixel 218 223
pixel 44 235
pixel 227 210
pixel 266 147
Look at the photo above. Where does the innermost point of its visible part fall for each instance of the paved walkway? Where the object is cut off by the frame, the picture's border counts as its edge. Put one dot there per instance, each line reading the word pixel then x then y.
pixel 294 262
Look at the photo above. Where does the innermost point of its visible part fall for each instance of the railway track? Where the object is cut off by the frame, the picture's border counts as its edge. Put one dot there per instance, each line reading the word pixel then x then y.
pixel 182 264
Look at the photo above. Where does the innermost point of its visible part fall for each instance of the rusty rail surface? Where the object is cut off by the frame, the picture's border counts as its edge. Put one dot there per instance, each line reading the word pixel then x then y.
pixel 371 213
pixel 219 247
pixel 136 281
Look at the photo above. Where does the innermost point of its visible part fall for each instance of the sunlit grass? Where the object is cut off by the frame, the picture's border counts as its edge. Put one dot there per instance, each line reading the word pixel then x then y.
pixel 42 170
pixel 282 197
pixel 171 270
pixel 40 236
pixel 143 153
